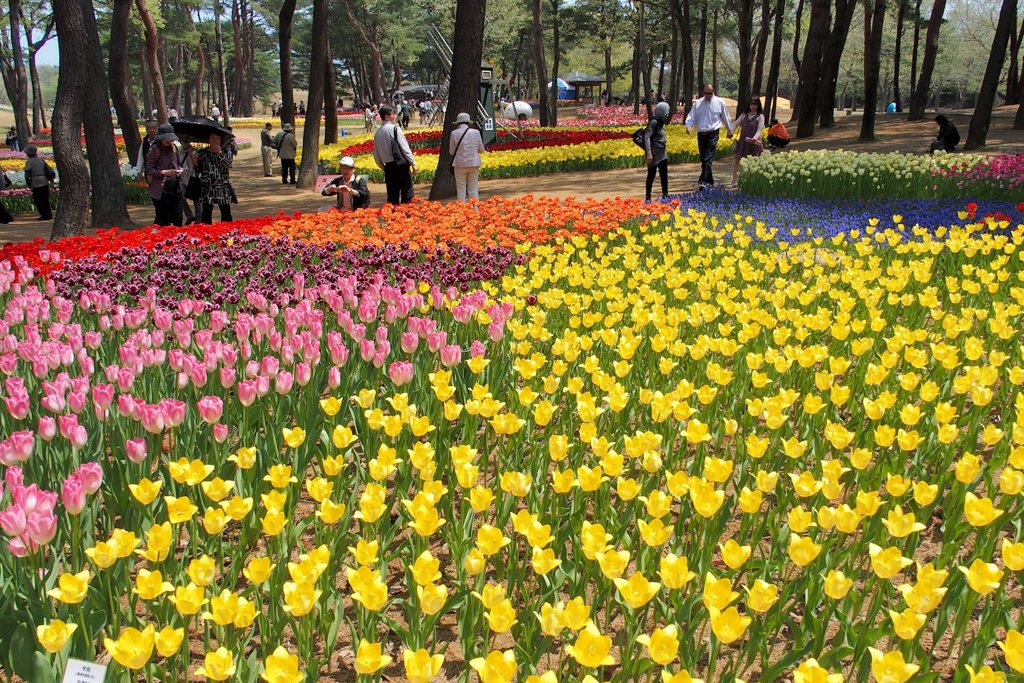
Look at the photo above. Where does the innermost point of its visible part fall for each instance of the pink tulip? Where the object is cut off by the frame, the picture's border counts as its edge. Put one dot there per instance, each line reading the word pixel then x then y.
pixel 67 424
pixel 91 475
pixel 227 377
pixel 72 494
pixel 220 432
pixel 496 330
pixel 367 349
pixel 303 373
pixel 435 340
pixel 409 342
pixel 13 477
pixel 247 392
pixel 76 402
pixel 210 409
pixel 12 521
pixel 477 349
pixel 17 406
pixel 400 372
pixel 262 386
pixel 334 377
pixel 41 527
pixel 283 382
pixel 381 334
pixel 79 437
pixel 135 449
pixel 451 355
pixel 47 428
pixel 18 546
pixel 153 419
pixel 22 443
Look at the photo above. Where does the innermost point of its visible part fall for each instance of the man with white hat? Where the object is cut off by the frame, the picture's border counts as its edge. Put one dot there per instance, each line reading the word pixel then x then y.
pixel 350 189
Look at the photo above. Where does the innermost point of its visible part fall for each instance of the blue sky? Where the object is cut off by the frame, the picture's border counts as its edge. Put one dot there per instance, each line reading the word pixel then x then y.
pixel 49 53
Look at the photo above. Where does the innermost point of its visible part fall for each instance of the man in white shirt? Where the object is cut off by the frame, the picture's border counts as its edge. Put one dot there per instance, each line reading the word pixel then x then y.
pixel 216 113
pixel 392 153
pixel 708 115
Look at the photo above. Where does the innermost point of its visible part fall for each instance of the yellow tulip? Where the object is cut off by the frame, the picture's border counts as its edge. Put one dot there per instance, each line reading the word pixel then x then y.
pixel 891 667
pixel 218 665
pixel 662 644
pixel 370 658
pixel 591 649
pixel 54 635
pixel 421 666
pixel 133 648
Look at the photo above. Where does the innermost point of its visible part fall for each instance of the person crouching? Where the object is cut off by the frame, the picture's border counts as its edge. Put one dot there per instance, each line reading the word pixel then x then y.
pixel 349 188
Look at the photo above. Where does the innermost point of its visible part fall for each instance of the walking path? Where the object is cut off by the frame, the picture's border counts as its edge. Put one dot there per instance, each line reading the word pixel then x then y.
pixel 260 196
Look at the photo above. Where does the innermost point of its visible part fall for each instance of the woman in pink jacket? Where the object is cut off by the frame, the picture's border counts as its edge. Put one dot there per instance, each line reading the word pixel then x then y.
pixel 465 145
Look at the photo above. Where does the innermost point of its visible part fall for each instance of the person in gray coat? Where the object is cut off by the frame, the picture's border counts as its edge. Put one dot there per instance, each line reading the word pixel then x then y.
pixel 38 176
pixel 656 148
pixel 287 146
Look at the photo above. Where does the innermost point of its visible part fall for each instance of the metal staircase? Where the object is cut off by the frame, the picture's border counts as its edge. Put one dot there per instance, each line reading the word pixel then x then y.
pixel 444 53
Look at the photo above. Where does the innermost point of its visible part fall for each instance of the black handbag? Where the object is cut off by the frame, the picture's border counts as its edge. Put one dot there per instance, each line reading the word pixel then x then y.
pixel 192 189
pixel 397 157
pixel 172 185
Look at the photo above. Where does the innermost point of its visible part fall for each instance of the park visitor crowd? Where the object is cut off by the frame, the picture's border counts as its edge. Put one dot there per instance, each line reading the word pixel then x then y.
pixel 186 183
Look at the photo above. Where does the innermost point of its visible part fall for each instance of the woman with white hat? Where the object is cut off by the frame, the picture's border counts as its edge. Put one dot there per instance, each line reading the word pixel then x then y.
pixel 465 145
pixel 350 189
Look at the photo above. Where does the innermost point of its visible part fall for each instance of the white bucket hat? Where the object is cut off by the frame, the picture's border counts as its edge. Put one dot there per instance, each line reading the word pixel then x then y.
pixel 348 161
pixel 463 118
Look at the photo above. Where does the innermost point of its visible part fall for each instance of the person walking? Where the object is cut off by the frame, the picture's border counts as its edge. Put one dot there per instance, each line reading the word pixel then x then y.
pixel 164 170
pixel 38 176
pixel 656 149
pixel 350 189
pixel 266 147
pixel 392 153
pixel 287 147
pixel 12 141
pixel 213 165
pixel 750 124
pixel 215 113
pixel 708 115
pixel 465 145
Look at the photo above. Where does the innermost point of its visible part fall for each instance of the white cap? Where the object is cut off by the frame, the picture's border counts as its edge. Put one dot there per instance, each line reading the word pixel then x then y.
pixel 348 161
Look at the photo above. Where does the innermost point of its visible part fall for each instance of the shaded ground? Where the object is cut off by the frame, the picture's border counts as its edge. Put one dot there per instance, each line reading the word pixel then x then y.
pixel 260 196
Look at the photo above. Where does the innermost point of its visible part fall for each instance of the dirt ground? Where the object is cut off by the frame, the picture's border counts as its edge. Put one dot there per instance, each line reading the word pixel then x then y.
pixel 260 196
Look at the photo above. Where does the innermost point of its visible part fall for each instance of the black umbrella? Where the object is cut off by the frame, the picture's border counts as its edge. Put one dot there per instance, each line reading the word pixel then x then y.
pixel 199 129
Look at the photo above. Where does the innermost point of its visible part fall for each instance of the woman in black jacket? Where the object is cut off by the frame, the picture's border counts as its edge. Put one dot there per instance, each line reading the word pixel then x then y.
pixel 948 137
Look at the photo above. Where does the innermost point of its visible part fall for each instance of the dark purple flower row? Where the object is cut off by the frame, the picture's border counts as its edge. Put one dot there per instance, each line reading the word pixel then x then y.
pixel 224 272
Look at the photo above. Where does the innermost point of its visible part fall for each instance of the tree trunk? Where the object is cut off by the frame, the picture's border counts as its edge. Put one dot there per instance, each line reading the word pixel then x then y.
pixel 538 58
pixel 919 98
pixel 810 66
pixel 634 84
pixel 686 43
pixel 1016 38
pixel 556 59
pixel 831 60
pixel 646 66
pixel 874 20
pixel 120 91
pixel 38 104
pixel 464 90
pixel 222 89
pixel 982 117
pixel 72 215
pixel 762 47
pixel 608 68
pixel 153 61
pixel 17 88
pixel 330 99
pixel 661 72
pixel 744 30
pixel 369 40
pixel 200 76
pixel 702 47
pixel 714 48
pixel 772 90
pixel 917 41
pixel 901 16
pixel 108 205
pixel 308 167
pixel 284 42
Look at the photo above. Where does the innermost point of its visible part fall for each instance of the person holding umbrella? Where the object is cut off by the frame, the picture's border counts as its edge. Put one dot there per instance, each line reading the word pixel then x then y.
pixel 212 166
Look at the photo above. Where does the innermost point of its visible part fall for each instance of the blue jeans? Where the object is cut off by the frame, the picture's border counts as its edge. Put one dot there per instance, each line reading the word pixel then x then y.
pixel 706 144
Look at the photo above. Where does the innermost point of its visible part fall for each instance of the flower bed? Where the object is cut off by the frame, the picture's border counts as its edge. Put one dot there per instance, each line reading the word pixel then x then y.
pixel 659 449
pixel 853 175
pixel 616 115
pixel 543 151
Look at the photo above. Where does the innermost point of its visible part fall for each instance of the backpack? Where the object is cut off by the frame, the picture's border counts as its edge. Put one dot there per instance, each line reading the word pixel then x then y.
pixel 638 136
